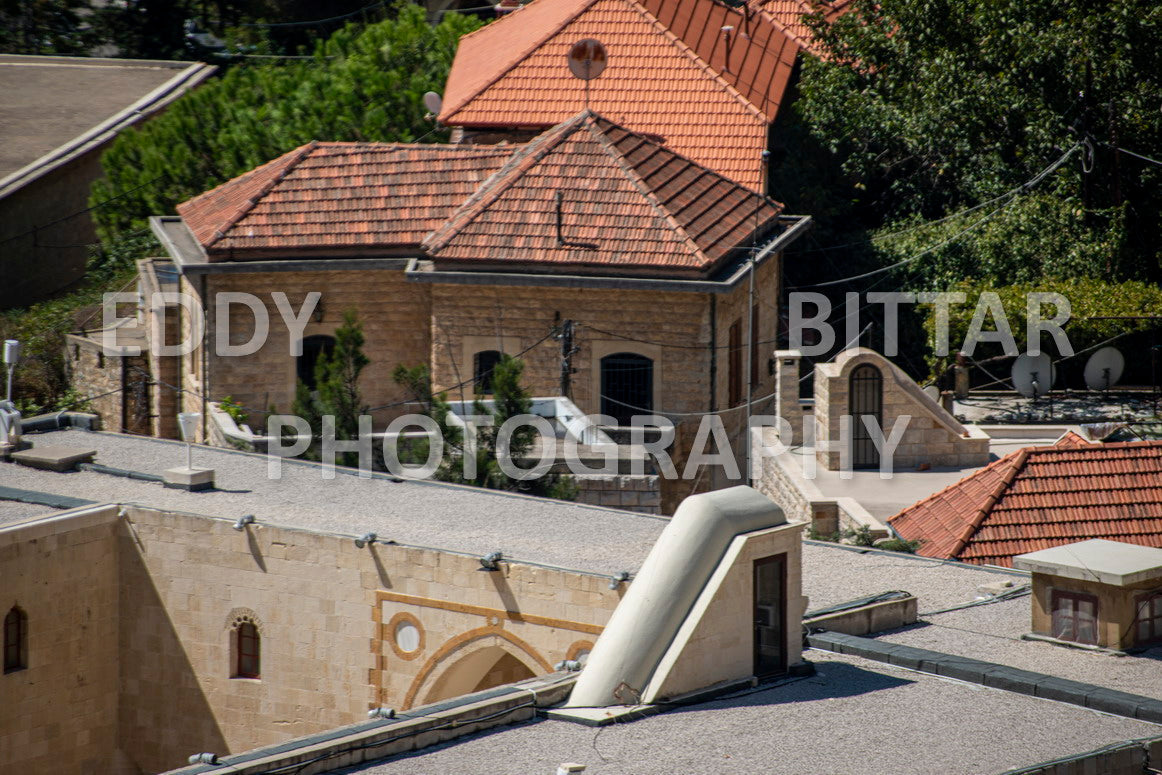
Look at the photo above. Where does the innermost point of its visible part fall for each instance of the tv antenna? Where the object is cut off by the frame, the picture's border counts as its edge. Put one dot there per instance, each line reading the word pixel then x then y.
pixel 587 60
pixel 1104 368
pixel 1033 375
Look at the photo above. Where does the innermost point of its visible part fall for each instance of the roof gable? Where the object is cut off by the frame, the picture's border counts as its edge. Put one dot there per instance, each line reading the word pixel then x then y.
pixel 339 197
pixel 1041 497
pixel 591 193
pixel 655 83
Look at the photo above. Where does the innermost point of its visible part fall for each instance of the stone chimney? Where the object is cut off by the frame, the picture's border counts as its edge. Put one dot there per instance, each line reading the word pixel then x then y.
pixel 787 392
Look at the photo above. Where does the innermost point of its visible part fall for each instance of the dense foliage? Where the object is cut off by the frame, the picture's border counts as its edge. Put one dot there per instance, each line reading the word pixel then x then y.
pixel 509 399
pixel 364 84
pixel 933 106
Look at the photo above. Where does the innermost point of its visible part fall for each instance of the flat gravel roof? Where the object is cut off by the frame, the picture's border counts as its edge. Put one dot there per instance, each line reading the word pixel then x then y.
pixel 853 716
pixel 443 516
pixel 47 101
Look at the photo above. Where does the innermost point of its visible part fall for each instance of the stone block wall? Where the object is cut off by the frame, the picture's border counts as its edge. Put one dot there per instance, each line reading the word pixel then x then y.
pixel 631 493
pixel 59 715
pixel 932 437
pixel 132 622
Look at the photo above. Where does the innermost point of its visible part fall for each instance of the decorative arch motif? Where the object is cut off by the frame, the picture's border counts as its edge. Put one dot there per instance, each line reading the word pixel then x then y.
pixel 15 639
pixel 463 645
pixel 245 634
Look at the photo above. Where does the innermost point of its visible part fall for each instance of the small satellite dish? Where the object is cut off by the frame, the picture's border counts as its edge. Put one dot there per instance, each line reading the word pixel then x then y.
pixel 587 59
pixel 1104 368
pixel 933 392
pixel 433 102
pixel 1033 375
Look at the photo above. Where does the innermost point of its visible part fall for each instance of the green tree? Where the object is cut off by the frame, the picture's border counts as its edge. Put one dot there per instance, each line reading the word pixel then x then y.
pixel 363 84
pixel 933 106
pixel 45 27
pixel 509 399
pixel 336 392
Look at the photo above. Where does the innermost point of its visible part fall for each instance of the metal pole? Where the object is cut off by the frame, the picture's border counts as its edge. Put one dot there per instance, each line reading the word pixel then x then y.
pixel 11 369
pixel 189 456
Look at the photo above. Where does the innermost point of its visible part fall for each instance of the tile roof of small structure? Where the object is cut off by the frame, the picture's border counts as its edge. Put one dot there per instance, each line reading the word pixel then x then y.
pixel 625 202
pixel 340 196
pixel 592 193
pixel 668 77
pixel 1040 497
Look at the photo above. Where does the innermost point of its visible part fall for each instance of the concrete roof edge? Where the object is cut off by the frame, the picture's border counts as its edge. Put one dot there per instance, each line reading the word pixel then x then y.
pixel 193 74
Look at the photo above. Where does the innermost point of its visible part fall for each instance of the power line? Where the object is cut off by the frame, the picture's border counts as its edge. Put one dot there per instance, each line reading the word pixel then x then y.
pixel 1135 155
pixel 1010 195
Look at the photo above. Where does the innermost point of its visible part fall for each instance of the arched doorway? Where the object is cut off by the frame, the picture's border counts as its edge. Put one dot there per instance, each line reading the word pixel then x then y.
pixel 482 669
pixel 865 399
pixel 627 386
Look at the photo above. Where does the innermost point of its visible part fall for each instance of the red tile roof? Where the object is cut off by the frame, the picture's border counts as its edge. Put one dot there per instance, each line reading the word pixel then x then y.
pixel 623 201
pixel 667 74
pixel 339 197
pixel 1040 497
pixel 626 203
pixel 788 16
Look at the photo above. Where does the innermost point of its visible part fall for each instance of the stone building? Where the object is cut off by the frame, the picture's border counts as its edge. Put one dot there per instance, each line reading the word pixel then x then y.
pixel 453 254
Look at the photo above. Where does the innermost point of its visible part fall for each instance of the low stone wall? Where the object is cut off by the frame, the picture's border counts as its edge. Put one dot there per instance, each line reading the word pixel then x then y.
pixel 868 619
pixel 631 493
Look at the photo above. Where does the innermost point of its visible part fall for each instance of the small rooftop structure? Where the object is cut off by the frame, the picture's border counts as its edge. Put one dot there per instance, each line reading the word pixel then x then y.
pixel 1041 497
pixel 1096 592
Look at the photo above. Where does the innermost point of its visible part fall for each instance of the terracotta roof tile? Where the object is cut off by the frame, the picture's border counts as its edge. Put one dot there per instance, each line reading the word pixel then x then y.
pixel 788 15
pixel 623 201
pixel 672 84
pixel 1043 497
pixel 340 196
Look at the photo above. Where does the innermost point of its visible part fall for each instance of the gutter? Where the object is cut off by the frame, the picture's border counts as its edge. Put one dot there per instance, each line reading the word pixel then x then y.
pixel 190 76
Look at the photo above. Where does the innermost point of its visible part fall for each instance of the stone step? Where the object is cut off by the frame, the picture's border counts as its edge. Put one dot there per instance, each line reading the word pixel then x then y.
pixel 53 458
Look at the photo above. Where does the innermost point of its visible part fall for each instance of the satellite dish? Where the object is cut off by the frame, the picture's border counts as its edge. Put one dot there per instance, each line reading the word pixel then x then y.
pixel 587 59
pixel 933 392
pixel 1033 375
pixel 1104 369
pixel 433 102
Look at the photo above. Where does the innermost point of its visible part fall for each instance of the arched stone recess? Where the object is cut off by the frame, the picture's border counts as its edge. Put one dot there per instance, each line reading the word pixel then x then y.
pixel 473 661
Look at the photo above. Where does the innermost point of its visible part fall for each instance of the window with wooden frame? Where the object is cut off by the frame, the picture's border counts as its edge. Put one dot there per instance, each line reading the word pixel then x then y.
pixel 15 640
pixel 247 651
pixel 1074 617
pixel 734 367
pixel 1148 610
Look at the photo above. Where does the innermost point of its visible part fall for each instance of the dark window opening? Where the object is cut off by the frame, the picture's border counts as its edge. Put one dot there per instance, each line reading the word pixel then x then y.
pixel 866 398
pixel 627 386
pixel 15 640
pixel 1075 617
pixel 249 650
pixel 313 348
pixel 483 364
pixel 770 605
pixel 734 367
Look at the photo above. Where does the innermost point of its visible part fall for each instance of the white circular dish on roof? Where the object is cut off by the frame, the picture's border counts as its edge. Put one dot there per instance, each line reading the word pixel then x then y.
pixel 932 392
pixel 1033 375
pixel 1104 368
pixel 433 102
pixel 587 59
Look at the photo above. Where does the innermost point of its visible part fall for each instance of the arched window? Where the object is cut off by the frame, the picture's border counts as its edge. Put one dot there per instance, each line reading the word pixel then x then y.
pixel 483 364
pixel 627 386
pixel 247 651
pixel 313 348
pixel 15 640
pixel 866 399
